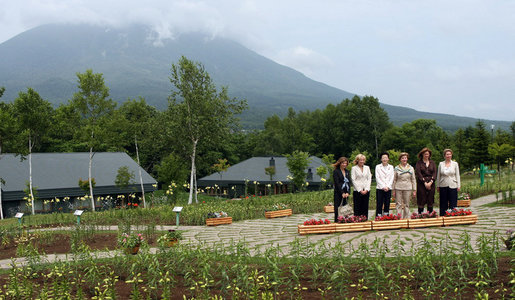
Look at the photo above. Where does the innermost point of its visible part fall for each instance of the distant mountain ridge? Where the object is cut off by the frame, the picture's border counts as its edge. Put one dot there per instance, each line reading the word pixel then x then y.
pixel 135 63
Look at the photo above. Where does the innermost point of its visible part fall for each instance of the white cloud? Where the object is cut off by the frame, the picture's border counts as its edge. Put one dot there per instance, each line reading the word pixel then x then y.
pixel 414 53
pixel 303 59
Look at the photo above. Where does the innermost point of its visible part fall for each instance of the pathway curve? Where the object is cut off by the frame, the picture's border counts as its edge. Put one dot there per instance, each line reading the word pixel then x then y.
pixel 260 234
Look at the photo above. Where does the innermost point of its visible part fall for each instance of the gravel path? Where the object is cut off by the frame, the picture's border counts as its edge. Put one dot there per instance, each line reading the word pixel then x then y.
pixel 260 234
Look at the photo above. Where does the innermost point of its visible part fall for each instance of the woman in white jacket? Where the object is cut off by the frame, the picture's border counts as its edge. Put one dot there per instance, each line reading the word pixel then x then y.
pixel 449 184
pixel 361 179
pixel 384 178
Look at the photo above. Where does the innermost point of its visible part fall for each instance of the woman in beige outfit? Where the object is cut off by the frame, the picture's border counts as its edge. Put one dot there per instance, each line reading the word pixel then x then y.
pixel 404 185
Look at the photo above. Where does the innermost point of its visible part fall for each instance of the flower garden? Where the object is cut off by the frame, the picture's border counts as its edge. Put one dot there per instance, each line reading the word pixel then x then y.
pixel 307 267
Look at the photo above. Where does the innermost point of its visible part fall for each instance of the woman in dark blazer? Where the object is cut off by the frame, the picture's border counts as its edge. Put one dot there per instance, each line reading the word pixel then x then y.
pixel 426 177
pixel 342 184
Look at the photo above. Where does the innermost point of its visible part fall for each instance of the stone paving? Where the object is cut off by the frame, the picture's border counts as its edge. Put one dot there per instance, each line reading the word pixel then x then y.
pixel 260 234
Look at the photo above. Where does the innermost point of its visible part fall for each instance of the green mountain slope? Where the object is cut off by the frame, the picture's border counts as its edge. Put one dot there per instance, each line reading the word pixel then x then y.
pixel 135 63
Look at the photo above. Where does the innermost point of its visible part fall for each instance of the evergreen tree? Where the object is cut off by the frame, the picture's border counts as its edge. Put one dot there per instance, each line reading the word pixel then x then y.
pixel 479 145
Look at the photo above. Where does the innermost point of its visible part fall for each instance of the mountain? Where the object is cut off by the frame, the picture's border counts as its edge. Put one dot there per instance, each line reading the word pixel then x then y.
pixel 136 63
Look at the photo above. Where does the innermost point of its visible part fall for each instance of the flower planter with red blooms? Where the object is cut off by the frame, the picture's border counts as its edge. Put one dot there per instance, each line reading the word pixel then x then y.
pixel 425 220
pixel 316 226
pixel 353 227
pixel 387 222
pixel 459 217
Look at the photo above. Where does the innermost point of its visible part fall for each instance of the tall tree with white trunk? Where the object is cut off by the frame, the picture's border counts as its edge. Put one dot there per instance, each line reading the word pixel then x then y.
pixel 95 107
pixel 198 113
pixel 34 116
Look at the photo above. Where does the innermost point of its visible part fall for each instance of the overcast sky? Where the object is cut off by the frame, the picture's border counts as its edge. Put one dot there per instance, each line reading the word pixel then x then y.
pixel 455 57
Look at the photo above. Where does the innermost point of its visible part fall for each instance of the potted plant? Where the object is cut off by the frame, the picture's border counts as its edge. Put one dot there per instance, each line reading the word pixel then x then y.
pixel 464 200
pixel 510 239
pixel 316 226
pixel 459 216
pixel 329 208
pixel 170 238
pixel 278 210
pixel 353 223
pixel 130 242
pixel 218 218
pixel 389 221
pixel 425 219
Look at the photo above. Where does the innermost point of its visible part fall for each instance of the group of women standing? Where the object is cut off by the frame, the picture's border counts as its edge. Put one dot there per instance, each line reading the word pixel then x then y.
pixel 402 183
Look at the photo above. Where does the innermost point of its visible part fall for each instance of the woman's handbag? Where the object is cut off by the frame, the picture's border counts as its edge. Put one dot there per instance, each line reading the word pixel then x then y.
pixel 345 210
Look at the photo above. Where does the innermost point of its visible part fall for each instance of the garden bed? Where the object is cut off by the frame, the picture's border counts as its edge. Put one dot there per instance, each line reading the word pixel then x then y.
pixel 218 221
pixel 59 243
pixel 278 213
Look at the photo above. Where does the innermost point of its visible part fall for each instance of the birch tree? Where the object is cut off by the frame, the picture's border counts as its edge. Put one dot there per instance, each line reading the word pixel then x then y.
pixel 138 116
pixel 198 113
pixel 93 103
pixel 34 116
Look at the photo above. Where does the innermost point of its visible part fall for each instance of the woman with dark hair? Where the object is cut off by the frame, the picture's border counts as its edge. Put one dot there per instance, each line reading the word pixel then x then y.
pixel 449 183
pixel 426 177
pixel 384 179
pixel 361 180
pixel 342 184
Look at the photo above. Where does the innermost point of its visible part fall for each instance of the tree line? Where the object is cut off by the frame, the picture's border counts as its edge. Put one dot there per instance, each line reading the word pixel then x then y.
pixel 200 127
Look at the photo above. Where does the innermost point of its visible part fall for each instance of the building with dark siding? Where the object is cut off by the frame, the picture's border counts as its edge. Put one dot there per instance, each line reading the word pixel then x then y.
pixel 56 175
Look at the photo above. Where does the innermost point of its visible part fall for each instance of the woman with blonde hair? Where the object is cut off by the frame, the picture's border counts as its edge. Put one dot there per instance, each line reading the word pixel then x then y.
pixel 449 183
pixel 361 180
pixel 426 177
pixel 404 185
pixel 342 184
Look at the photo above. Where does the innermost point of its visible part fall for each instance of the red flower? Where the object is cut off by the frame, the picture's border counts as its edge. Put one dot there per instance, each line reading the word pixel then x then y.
pixel 135 204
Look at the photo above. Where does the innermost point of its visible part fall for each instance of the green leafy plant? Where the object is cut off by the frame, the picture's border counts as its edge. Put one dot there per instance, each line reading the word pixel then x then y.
pixel 130 240
pixel 170 235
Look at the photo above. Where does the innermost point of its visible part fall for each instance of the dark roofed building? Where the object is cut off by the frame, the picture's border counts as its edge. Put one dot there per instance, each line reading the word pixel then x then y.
pixel 232 181
pixel 58 174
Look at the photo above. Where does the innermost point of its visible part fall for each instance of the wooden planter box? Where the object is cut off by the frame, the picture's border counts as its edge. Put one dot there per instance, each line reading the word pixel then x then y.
pixel 278 213
pixel 133 250
pixel 460 220
pixel 392 205
pixel 463 203
pixel 386 225
pixel 310 229
pixel 429 222
pixel 352 227
pixel 329 209
pixel 218 221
